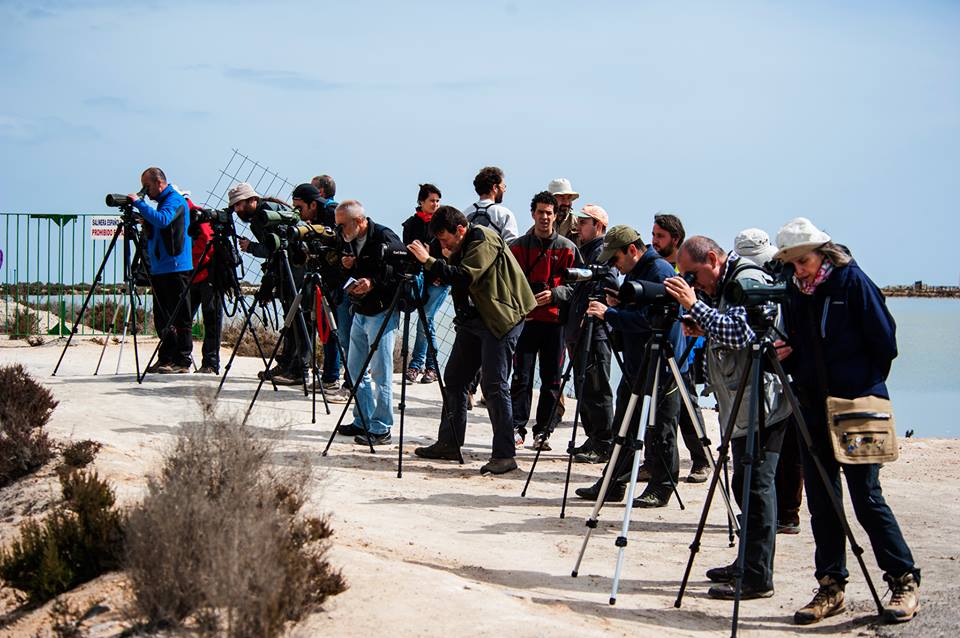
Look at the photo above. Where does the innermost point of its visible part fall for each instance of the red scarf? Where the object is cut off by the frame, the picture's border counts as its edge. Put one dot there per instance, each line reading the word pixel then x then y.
pixel 424 216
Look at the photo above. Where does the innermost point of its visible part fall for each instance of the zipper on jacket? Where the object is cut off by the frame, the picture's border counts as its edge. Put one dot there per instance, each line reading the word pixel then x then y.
pixel 823 319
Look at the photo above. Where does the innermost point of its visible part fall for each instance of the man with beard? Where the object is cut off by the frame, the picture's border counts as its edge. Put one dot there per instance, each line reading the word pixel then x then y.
pixel 668 235
pixel 563 191
pixel 489 211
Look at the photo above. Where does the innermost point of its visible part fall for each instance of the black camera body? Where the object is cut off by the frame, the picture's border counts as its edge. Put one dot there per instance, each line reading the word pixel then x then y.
pixel 592 272
pixel 212 216
pixel 403 263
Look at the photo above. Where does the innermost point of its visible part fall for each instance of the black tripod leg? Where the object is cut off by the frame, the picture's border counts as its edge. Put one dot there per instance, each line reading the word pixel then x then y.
pixel 236 346
pixel 432 352
pixel 722 453
pixel 404 358
pixel 814 453
pixel 553 415
pixel 86 302
pixel 731 519
pixel 579 384
pixel 106 339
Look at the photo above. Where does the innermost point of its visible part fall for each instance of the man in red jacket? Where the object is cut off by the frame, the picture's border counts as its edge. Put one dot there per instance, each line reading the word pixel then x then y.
pixel 543 255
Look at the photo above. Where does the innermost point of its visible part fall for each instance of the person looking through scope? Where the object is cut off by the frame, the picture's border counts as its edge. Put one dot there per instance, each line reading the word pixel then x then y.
pixel 370 285
pixel 624 248
pixel 842 344
pixel 729 334
pixel 169 251
pixel 417 228
pixel 596 395
pixel 491 296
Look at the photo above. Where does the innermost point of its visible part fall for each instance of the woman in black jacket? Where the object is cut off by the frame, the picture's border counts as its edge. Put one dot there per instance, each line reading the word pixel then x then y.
pixel 417 227
pixel 842 341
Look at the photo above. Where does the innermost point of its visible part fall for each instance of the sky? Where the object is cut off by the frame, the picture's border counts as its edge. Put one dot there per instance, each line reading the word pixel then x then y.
pixel 730 115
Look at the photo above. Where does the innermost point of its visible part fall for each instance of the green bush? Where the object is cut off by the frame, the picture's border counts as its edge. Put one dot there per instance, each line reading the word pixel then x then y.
pixel 80 540
pixel 25 408
pixel 20 323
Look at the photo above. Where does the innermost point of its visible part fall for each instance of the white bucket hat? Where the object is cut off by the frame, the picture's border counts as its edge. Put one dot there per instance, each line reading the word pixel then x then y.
pixel 754 244
pixel 561 186
pixel 798 237
pixel 241 192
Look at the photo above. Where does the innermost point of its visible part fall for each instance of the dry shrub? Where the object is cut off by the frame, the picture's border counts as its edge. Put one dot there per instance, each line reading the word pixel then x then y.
pixel 20 323
pixel 36 340
pixel 248 347
pixel 80 540
pixel 25 407
pixel 101 316
pixel 80 454
pixel 220 537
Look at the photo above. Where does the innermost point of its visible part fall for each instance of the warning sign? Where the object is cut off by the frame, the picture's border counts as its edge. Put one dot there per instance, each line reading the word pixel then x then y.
pixel 103 226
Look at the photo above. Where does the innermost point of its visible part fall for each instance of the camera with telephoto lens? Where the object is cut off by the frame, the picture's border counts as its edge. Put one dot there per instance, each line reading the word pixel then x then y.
pixel 212 216
pixel 592 272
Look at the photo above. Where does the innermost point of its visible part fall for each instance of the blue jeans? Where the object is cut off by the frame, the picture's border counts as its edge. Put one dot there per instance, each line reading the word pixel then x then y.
pixel 434 297
pixel 377 405
pixel 863 481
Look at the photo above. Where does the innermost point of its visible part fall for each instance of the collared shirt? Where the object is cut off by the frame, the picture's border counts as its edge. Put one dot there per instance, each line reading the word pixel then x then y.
pixel 729 328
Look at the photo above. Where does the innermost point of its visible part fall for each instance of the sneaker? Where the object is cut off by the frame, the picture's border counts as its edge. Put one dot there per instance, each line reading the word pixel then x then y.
pixel 518 439
pixel 340 396
pixel 591 456
pixel 698 474
pixel 330 386
pixel 263 375
pixel 438 451
pixel 156 367
pixel 728 591
pixel 615 492
pixel 788 528
pixel 207 370
pixel 287 378
pixel 499 466
pixel 725 574
pixel 827 602
pixel 375 439
pixel 904 599
pixel 541 444
pixel 651 498
pixel 411 374
pixel 429 376
pixel 173 368
pixel 349 429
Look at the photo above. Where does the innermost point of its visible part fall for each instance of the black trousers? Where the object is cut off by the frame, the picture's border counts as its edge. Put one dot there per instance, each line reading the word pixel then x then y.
pixel 177 346
pixel 473 346
pixel 596 396
pixel 542 340
pixel 688 430
pixel 790 476
pixel 203 295
pixel 660 440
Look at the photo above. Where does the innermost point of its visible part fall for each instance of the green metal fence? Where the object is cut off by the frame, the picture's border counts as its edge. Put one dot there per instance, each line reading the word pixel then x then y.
pixel 49 262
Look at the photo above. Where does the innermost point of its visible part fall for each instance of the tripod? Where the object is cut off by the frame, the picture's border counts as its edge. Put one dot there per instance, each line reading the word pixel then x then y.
pixel 131 237
pixel 294 313
pixel 762 349
pixel 407 297
pixel 657 353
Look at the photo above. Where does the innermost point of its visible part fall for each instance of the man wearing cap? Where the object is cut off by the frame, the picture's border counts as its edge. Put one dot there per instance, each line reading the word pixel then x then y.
pixel 624 248
pixel 729 336
pixel 667 237
pixel 591 362
pixel 563 191
pixel 489 211
pixel 543 255
pixel 169 248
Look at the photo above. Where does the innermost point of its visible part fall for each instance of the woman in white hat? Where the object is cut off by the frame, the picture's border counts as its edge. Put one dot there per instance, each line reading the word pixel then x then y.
pixel 843 340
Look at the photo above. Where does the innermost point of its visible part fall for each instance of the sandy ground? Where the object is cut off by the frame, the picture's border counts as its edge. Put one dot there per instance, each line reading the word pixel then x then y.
pixel 443 551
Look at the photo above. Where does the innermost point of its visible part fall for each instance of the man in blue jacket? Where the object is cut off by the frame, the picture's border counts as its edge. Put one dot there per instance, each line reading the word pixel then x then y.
pixel 624 248
pixel 170 253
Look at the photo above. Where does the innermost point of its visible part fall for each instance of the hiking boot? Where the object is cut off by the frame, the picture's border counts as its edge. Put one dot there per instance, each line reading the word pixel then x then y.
pixel 591 456
pixel 156 367
pixel 375 439
pixel 330 386
pixel 540 443
pixel 725 574
pixel 728 591
pixel 788 528
pixel 698 474
pixel 904 599
pixel 827 602
pixel 265 375
pixel 429 376
pixel 438 451
pixel 287 378
pixel 499 466
pixel 615 492
pixel 349 429
pixel 206 370
pixel 340 396
pixel 411 374
pixel 173 368
pixel 652 498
